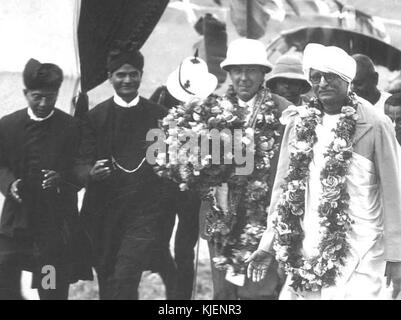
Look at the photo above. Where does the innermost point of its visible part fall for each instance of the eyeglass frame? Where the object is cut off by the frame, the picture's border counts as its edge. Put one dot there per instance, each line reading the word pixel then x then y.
pixel 329 77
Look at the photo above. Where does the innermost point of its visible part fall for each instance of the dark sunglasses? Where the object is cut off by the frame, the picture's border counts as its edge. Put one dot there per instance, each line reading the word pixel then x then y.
pixel 315 78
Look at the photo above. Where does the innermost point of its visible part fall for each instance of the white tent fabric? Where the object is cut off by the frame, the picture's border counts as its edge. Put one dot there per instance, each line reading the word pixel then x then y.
pixel 43 30
pixel 39 28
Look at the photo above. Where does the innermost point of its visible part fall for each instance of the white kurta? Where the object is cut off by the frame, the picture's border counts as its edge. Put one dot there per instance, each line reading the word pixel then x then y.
pixel 363 275
pixel 379 105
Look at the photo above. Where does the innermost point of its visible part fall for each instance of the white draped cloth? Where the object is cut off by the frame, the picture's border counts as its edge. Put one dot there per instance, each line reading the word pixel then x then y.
pixel 382 100
pixel 362 277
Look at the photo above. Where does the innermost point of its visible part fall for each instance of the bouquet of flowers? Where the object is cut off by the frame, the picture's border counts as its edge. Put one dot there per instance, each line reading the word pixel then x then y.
pixel 206 142
pixel 184 162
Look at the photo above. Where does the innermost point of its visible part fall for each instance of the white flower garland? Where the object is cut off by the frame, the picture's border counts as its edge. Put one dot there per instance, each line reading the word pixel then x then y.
pixel 320 271
pixel 233 244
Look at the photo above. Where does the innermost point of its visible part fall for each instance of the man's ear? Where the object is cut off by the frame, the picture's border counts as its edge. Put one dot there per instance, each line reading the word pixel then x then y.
pixel 25 91
pixel 272 85
pixel 375 78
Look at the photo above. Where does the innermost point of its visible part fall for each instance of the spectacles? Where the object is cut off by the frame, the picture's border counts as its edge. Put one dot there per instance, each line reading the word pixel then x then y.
pixel 316 78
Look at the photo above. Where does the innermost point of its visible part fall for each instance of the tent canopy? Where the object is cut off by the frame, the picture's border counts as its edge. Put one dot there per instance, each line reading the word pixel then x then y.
pixel 75 34
pixel 353 42
pixel 103 21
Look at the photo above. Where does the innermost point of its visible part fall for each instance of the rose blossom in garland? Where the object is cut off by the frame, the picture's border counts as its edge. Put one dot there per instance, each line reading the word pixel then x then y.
pixel 322 270
pixel 248 194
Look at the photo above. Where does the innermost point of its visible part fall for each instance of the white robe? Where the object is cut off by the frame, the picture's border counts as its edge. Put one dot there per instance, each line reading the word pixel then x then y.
pixel 379 105
pixel 362 276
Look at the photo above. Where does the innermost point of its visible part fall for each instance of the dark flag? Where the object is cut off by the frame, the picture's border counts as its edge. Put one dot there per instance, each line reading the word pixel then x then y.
pixel 213 46
pixel 101 22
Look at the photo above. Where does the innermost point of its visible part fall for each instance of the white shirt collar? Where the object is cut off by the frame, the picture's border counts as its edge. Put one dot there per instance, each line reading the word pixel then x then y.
pixel 249 103
pixel 119 101
pixel 35 118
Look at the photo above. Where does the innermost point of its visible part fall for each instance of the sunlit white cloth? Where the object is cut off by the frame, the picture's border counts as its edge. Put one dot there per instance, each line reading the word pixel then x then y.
pixel 329 59
pixel 363 274
pixel 380 103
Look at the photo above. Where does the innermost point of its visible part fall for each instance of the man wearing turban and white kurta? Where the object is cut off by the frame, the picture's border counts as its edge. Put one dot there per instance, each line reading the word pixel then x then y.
pixel 120 210
pixel 335 216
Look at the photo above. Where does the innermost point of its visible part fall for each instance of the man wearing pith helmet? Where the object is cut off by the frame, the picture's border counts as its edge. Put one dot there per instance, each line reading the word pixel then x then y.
pixel 190 80
pixel 246 63
pixel 288 80
pixel 335 216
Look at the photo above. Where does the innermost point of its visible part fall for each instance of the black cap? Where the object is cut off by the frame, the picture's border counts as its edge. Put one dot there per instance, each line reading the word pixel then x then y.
pixel 38 75
pixel 124 52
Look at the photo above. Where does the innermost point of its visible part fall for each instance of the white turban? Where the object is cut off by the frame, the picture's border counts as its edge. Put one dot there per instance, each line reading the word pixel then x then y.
pixel 329 59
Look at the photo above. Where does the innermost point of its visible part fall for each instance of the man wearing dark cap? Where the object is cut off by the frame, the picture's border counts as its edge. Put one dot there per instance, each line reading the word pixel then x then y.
pixel 39 221
pixel 121 202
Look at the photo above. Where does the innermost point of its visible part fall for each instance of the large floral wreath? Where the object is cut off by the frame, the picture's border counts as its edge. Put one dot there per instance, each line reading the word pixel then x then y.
pixel 321 271
pixel 234 231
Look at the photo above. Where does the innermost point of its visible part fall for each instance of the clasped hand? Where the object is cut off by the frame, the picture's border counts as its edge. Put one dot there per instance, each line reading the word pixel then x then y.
pixel 14 191
pixel 51 179
pixel 100 171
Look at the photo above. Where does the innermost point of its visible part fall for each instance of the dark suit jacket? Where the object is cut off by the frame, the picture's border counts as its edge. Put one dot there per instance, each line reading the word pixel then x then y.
pixel 96 144
pixel 63 143
pixel 107 202
pixel 61 238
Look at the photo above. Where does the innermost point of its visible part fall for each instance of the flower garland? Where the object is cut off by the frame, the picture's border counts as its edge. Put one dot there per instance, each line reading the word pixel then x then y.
pixel 192 169
pixel 321 271
pixel 235 233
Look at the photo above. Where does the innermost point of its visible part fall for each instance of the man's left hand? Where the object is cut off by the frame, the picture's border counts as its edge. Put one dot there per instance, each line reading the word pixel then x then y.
pixel 51 179
pixel 393 273
pixel 258 264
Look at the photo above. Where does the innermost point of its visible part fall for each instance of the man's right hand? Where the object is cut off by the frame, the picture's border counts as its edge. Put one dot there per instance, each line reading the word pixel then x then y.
pixel 99 171
pixel 14 191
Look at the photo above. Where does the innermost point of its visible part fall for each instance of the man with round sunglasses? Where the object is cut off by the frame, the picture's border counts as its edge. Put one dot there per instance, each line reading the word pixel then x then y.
pixel 335 215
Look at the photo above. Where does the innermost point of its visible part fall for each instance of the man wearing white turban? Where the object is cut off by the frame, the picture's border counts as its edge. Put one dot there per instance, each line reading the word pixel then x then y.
pixel 335 214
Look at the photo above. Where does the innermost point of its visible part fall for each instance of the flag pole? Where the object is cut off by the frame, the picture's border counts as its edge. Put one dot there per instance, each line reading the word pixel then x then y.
pixel 248 17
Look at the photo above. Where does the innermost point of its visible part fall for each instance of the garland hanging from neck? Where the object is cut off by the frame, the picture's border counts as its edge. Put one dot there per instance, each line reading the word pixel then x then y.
pixel 312 274
pixel 236 232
